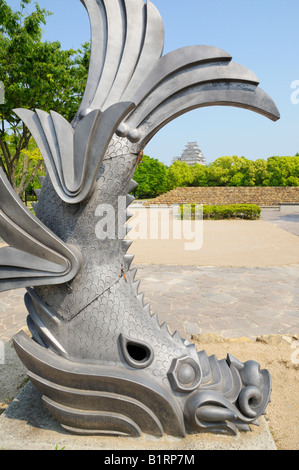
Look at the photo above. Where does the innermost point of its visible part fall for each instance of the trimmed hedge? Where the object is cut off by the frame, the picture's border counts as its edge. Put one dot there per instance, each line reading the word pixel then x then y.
pixel 231 211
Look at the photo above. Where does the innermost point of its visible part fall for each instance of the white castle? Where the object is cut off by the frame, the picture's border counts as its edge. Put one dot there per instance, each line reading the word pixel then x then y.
pixel 191 155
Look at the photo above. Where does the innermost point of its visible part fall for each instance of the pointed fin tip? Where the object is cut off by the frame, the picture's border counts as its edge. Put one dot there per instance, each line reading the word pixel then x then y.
pixel 147 308
pixel 129 215
pixel 133 185
pixel 127 229
pixel 130 199
pixel 155 318
pixel 231 360
pixel 128 261
pixel 192 347
pixel 126 245
pixel 131 274
pixel 177 337
pixel 136 285
pixel 164 327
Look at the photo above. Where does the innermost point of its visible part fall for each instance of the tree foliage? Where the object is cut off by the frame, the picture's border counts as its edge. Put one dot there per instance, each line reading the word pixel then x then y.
pixel 224 171
pixel 36 74
pixel 283 171
pixel 179 174
pixel 151 177
pixel 239 171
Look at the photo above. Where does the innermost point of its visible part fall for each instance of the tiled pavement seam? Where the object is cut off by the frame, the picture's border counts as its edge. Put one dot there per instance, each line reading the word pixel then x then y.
pixel 231 302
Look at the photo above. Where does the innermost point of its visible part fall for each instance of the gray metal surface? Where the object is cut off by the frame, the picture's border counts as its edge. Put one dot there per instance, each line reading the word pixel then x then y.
pixel 35 255
pixel 127 39
pixel 73 157
pixel 100 358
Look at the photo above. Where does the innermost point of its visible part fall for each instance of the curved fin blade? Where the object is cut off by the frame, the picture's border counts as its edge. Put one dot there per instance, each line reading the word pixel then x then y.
pixel 127 38
pixel 73 157
pixel 222 94
pixel 35 256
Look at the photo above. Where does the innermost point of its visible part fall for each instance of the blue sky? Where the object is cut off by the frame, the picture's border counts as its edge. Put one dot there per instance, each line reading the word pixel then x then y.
pixel 259 34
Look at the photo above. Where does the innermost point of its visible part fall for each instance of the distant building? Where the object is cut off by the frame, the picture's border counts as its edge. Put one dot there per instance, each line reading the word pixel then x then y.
pixel 191 155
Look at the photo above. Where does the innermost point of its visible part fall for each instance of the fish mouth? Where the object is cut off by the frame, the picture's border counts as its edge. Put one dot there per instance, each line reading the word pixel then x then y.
pixel 96 399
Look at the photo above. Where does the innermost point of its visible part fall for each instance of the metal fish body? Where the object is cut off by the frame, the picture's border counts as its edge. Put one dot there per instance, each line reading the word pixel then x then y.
pixel 100 358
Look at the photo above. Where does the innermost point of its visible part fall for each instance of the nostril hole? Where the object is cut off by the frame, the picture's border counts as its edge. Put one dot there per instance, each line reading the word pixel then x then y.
pixel 136 353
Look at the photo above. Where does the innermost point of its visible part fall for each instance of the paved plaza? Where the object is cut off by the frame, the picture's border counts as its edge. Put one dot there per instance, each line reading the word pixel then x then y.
pixel 247 286
pixel 232 301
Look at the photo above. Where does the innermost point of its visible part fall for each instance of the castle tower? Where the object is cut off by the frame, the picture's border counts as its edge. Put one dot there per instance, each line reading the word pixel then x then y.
pixel 192 155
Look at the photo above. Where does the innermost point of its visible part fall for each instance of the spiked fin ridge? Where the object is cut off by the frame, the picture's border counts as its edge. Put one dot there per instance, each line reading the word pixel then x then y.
pixel 131 275
pixel 128 259
pixel 136 286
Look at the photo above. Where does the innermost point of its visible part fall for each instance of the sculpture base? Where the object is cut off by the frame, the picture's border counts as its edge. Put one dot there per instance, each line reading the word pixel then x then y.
pixel 28 425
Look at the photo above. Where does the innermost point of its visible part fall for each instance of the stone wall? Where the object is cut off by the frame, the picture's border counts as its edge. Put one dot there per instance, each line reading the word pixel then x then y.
pixel 263 196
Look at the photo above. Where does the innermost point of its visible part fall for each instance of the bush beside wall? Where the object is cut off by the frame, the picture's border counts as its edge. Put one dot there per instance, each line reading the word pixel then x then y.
pixel 232 211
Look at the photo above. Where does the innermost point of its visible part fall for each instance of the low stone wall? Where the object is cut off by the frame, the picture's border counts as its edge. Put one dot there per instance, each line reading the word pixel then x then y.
pixel 262 196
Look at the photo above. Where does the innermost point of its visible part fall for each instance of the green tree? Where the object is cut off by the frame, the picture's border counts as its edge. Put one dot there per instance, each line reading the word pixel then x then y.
pixel 231 171
pixel 35 74
pixel 283 171
pixel 248 169
pixel 236 171
pixel 219 172
pixel 151 177
pixel 199 175
pixel 179 174
pixel 261 172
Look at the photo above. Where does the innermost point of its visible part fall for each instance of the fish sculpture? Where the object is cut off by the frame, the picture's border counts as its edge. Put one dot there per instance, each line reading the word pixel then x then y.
pixel 100 358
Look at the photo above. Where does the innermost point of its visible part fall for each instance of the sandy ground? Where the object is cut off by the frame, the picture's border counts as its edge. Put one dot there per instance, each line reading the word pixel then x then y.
pixel 209 243
pixel 280 355
pixel 230 243
pixel 234 243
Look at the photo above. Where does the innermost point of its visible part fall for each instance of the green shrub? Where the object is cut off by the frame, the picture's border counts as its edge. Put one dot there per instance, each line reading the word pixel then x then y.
pixel 232 211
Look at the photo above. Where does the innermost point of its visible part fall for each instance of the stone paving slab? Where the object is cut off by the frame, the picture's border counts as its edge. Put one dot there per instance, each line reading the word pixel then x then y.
pixel 288 222
pixel 230 302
